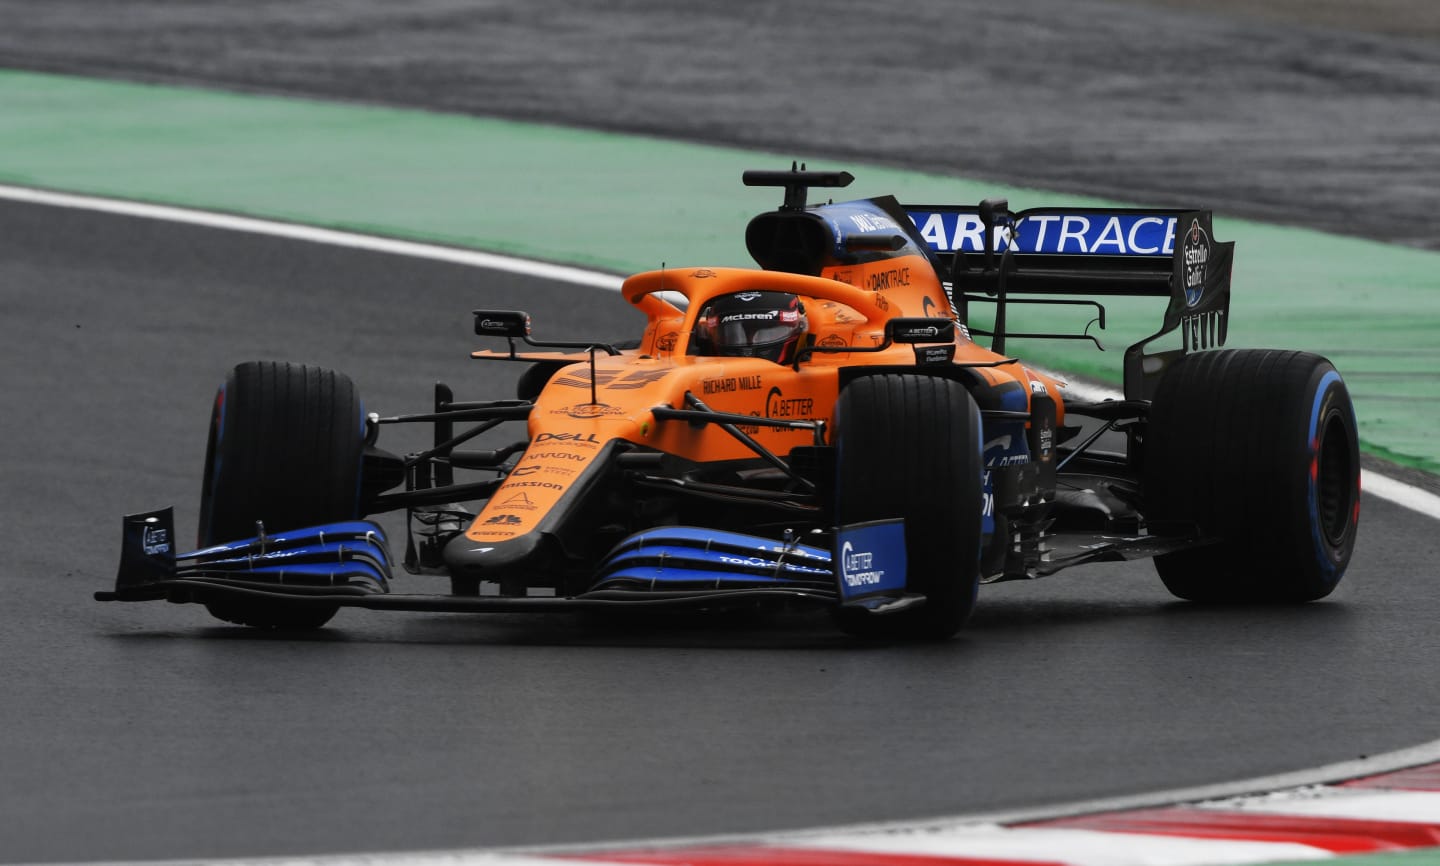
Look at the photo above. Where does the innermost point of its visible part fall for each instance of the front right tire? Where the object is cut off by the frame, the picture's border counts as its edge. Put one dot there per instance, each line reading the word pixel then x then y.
pixel 909 446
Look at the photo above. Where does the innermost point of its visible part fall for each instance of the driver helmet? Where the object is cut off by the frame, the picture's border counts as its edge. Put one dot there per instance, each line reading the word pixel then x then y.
pixel 752 325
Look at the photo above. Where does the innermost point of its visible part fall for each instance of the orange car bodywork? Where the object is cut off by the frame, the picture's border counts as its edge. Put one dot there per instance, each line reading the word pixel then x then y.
pixel 845 306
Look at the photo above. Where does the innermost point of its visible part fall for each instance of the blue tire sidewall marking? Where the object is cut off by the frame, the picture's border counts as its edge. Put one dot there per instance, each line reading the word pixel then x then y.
pixel 360 470
pixel 224 402
pixel 221 402
pixel 985 520
pixel 1322 548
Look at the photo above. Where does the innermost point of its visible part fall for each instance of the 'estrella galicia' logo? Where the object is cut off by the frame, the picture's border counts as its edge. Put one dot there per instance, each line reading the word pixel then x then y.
pixel 1197 254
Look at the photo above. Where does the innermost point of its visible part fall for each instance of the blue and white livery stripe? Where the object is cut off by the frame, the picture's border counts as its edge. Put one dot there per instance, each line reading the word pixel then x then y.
pixel 1077 233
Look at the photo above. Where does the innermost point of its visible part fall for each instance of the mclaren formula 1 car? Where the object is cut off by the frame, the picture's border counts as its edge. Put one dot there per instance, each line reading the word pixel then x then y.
pixel 830 429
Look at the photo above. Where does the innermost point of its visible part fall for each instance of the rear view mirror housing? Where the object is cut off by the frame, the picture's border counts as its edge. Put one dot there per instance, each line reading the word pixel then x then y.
pixel 910 330
pixel 514 324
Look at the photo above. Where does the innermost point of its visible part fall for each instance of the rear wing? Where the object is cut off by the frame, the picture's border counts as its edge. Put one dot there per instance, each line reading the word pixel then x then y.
pixel 989 253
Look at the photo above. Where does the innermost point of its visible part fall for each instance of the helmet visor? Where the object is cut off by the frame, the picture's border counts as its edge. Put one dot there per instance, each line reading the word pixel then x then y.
pixel 751 324
pixel 755 329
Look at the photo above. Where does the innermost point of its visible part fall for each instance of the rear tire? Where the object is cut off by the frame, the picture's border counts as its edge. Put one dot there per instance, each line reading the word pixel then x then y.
pixel 909 446
pixel 1257 448
pixel 285 449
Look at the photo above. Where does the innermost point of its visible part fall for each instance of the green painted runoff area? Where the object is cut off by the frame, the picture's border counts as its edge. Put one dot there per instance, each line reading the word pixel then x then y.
pixel 624 203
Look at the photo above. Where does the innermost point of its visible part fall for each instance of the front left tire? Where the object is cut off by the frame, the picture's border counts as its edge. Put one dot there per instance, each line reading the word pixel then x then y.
pixel 284 449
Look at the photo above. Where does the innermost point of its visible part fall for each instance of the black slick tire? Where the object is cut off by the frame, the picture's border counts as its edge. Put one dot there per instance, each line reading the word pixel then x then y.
pixel 1258 449
pixel 908 446
pixel 285 448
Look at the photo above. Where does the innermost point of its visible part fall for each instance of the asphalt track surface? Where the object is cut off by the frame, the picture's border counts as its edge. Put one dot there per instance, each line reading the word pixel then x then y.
pixel 147 731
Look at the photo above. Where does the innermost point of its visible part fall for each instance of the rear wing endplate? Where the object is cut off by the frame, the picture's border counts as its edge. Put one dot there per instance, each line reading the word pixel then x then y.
pixel 991 253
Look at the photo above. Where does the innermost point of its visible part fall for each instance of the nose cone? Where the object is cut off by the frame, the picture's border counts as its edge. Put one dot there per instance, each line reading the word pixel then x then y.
pixel 493 560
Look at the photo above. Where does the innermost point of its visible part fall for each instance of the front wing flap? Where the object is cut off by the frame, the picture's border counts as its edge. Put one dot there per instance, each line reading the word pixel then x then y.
pixel 348 564
pixel 348 557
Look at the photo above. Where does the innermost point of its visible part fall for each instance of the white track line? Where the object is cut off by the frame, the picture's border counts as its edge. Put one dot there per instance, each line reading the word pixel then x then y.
pixel 1242 790
pixel 333 237
pixel 1400 493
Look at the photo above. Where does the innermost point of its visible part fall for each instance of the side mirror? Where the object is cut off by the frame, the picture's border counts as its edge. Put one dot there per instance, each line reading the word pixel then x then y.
pixel 502 323
pixel 920 330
